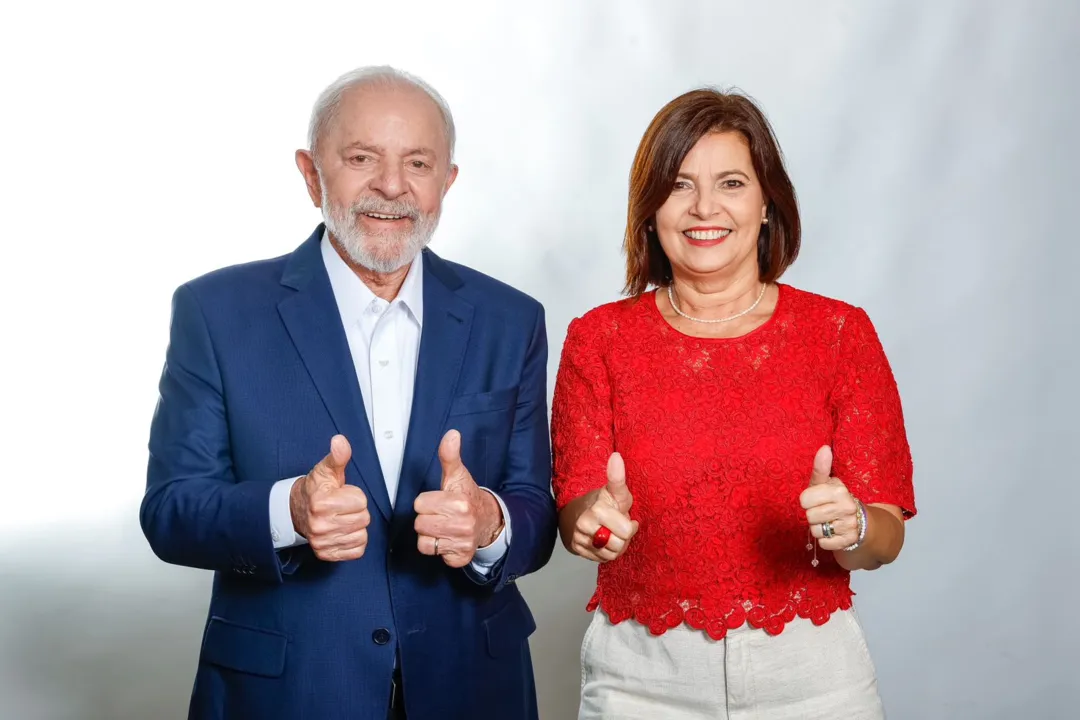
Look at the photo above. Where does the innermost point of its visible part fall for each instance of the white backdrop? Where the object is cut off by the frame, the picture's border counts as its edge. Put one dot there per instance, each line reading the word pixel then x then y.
pixel 934 149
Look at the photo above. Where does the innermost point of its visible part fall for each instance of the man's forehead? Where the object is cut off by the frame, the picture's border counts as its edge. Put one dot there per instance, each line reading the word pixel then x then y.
pixel 380 114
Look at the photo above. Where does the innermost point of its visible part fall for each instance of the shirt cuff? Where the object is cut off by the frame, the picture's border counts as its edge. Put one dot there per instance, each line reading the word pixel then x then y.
pixel 282 531
pixel 487 557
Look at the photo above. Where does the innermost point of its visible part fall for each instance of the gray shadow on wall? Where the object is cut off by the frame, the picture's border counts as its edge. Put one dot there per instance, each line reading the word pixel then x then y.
pixel 106 631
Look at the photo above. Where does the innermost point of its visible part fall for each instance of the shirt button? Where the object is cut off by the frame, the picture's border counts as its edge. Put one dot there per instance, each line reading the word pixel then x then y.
pixel 381 636
pixel 384 363
pixel 389 434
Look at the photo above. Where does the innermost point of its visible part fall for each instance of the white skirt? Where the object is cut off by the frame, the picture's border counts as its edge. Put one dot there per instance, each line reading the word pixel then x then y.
pixel 807 672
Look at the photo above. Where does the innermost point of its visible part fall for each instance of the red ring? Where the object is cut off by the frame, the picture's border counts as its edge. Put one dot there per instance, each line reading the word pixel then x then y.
pixel 600 538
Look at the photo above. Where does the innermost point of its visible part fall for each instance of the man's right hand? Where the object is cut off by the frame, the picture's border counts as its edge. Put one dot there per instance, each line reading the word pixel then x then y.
pixel 331 515
pixel 609 506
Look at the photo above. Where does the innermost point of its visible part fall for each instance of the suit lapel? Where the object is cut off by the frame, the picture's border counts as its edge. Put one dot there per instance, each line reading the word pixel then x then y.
pixel 313 322
pixel 443 340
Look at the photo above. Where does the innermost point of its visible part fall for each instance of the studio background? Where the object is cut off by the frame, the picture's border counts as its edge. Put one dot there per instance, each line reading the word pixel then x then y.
pixel 934 149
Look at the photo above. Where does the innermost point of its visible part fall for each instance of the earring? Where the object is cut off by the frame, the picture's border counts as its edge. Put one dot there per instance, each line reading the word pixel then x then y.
pixel 764 221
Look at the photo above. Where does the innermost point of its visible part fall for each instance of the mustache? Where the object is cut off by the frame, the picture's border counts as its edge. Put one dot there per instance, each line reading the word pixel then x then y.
pixel 384 207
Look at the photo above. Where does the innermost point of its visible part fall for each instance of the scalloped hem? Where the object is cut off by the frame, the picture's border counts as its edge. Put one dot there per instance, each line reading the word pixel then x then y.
pixel 759 617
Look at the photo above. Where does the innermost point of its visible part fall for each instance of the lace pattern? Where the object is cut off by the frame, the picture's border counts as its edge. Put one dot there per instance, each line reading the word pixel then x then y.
pixel 718 436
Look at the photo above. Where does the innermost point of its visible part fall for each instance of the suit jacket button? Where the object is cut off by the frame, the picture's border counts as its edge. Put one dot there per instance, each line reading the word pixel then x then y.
pixel 381 636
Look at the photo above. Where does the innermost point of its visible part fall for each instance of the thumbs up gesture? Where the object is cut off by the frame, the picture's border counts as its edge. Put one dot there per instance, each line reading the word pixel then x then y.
pixel 330 514
pixel 609 508
pixel 458 518
pixel 830 508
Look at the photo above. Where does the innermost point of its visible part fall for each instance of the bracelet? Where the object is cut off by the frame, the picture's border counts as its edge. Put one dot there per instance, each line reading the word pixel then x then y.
pixel 860 521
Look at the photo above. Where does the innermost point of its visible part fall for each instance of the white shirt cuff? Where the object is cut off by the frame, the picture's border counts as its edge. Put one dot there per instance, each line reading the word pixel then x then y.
pixel 282 531
pixel 487 557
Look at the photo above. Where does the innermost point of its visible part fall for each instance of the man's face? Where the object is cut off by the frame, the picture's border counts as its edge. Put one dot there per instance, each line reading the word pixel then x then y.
pixel 383 168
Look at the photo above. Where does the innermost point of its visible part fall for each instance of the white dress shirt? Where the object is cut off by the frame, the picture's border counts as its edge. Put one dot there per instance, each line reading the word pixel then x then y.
pixel 384 341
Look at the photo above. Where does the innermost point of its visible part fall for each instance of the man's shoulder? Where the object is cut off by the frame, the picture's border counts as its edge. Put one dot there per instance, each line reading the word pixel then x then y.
pixel 230 278
pixel 255 279
pixel 240 287
pixel 484 290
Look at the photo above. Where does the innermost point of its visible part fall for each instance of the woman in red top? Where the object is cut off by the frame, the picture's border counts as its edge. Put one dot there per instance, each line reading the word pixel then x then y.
pixel 727 447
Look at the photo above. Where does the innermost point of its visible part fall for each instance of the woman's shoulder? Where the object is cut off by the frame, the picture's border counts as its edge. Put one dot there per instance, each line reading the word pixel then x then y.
pixel 604 320
pixel 812 310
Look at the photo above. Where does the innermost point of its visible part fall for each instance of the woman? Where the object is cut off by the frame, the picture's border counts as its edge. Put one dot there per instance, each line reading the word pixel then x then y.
pixel 727 447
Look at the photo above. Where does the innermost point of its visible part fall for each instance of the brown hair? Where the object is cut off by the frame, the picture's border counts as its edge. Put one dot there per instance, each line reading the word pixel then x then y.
pixel 670 136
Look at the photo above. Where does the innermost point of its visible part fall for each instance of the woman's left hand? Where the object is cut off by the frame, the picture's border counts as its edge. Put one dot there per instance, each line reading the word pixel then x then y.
pixel 827 500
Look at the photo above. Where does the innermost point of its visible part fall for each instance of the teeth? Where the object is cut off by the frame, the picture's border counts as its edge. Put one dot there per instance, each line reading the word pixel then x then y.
pixel 383 217
pixel 707 234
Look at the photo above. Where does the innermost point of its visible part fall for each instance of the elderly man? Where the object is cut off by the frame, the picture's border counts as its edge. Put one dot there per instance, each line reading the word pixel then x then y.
pixel 354 438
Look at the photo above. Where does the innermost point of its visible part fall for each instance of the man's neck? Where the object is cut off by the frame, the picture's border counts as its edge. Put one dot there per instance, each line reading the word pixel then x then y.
pixel 386 286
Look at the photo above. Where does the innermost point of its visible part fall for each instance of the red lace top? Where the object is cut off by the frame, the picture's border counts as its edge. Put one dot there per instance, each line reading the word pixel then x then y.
pixel 719 437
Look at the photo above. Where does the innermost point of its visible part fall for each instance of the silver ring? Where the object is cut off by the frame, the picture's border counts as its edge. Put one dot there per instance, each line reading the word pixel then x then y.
pixel 826 529
pixel 436 546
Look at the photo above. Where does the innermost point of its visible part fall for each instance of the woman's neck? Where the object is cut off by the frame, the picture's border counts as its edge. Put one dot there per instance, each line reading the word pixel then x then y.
pixel 715 298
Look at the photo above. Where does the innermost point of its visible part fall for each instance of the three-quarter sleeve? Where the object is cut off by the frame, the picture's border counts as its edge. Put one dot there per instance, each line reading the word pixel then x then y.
pixel 870 445
pixel 581 415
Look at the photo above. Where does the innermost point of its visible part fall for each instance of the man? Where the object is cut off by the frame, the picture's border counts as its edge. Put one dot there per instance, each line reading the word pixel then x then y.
pixel 354 438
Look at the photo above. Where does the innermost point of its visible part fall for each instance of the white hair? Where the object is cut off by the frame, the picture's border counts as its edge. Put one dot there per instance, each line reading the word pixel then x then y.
pixel 326 106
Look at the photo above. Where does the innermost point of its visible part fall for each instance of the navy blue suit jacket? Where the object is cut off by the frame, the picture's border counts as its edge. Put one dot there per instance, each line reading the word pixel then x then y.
pixel 258 378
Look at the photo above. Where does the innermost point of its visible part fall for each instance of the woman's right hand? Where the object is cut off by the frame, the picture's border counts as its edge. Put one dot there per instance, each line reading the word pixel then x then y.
pixel 608 507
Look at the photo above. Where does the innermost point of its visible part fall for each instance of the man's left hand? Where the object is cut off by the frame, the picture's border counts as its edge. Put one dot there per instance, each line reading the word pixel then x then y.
pixel 457 519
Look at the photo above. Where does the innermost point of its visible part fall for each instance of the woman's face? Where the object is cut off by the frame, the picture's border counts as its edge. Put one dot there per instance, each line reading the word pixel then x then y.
pixel 710 223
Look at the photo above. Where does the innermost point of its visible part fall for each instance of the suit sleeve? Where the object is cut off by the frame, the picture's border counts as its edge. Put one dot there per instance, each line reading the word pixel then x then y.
pixel 195 511
pixel 526 488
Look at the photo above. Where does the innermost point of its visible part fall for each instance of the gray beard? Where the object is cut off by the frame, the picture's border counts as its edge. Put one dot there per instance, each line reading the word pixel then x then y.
pixel 382 253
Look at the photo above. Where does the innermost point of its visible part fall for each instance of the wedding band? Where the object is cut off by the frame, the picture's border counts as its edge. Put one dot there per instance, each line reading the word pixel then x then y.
pixel 826 529
pixel 436 546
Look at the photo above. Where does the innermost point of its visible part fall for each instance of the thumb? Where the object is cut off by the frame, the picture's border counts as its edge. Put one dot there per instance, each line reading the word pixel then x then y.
pixel 616 482
pixel 822 466
pixel 331 469
pixel 450 457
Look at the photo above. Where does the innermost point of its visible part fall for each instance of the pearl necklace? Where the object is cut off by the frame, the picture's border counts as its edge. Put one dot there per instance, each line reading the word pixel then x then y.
pixel 671 299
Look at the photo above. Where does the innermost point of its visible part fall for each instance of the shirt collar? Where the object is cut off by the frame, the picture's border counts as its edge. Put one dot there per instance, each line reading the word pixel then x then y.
pixel 353 296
